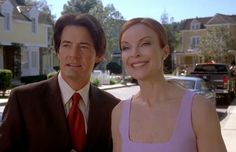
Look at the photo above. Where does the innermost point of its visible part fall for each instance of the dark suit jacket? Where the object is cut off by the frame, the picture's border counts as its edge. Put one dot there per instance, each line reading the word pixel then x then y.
pixel 34 120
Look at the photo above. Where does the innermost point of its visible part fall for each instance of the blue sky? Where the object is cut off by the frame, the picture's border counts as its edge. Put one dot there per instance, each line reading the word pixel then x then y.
pixel 179 9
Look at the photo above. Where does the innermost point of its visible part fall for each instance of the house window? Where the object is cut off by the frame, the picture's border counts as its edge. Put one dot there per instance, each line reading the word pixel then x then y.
pixel 7 21
pixel 34 25
pixel 195 26
pixel 195 42
pixel 34 59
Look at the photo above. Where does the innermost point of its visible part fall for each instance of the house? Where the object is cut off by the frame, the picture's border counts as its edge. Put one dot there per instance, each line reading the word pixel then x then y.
pixel 24 39
pixel 193 30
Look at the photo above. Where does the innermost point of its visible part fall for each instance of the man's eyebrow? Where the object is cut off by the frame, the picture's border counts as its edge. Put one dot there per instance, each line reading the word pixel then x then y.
pixel 65 41
pixel 86 43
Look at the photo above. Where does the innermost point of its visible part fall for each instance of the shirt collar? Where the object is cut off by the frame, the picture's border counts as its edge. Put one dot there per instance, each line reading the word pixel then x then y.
pixel 67 91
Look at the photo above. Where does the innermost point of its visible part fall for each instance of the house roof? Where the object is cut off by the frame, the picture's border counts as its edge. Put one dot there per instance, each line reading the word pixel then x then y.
pixel 222 19
pixel 203 21
pixel 20 12
pixel 2 1
pixel 216 19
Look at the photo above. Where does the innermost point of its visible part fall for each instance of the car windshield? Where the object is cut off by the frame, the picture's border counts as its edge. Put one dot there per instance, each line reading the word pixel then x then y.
pixel 188 84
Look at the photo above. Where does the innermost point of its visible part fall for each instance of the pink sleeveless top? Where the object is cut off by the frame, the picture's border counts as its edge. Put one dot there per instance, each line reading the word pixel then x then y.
pixel 182 140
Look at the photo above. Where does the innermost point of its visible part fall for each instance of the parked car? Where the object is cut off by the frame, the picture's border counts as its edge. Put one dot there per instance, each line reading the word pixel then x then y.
pixel 218 77
pixel 194 84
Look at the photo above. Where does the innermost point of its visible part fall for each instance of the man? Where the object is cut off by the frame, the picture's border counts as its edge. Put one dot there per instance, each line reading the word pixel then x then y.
pixel 38 116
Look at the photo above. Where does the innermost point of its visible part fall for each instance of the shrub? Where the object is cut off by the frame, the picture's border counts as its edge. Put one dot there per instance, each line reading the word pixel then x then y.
pixel 57 68
pixel 31 79
pixel 51 74
pixel 114 81
pixel 95 81
pixel 5 80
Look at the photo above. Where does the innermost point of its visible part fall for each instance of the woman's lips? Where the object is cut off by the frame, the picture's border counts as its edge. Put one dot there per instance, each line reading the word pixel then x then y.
pixel 138 64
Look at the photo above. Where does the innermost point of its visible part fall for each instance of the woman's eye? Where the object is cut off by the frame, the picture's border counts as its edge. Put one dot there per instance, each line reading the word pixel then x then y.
pixel 146 44
pixel 124 48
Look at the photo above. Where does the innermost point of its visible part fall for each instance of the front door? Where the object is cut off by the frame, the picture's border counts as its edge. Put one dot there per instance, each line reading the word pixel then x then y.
pixel 12 60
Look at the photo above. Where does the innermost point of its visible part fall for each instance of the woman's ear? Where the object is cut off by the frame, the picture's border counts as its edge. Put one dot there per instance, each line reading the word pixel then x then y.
pixel 165 52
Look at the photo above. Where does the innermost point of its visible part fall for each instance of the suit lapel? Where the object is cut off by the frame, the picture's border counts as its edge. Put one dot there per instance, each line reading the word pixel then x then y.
pixel 97 116
pixel 58 111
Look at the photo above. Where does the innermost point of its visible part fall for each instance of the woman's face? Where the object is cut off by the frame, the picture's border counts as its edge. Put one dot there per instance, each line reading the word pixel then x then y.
pixel 141 52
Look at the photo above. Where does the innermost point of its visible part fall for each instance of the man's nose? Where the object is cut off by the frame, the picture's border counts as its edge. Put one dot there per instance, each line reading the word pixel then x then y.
pixel 75 51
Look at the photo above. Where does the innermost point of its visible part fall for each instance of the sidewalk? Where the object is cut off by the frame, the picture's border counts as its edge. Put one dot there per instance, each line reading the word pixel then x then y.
pixel 228 128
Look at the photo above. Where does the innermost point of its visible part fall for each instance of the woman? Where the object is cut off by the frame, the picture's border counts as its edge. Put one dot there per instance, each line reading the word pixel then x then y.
pixel 162 116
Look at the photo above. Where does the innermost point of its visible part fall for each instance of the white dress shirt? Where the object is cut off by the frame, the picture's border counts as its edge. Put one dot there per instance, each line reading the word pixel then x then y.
pixel 67 92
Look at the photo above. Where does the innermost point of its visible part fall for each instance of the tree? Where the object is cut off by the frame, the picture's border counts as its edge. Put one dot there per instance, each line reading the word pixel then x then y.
pixel 172 29
pixel 111 21
pixel 216 43
pixel 80 6
pixel 164 18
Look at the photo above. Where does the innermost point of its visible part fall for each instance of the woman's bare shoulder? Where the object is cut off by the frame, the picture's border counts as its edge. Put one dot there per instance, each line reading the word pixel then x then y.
pixel 201 105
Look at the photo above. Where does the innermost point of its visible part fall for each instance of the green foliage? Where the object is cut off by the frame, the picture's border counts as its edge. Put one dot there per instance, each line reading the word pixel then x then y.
pixel 216 43
pixel 111 21
pixel 114 81
pixel 5 79
pixel 51 74
pixel 95 81
pixel 31 79
pixel 172 29
pixel 113 67
pixel 80 6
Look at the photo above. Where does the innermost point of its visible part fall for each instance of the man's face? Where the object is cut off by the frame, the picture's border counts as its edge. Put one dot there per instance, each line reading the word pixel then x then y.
pixel 77 55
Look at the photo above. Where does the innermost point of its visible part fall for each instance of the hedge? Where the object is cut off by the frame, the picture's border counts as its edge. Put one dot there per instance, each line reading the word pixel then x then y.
pixel 31 79
pixel 51 74
pixel 5 79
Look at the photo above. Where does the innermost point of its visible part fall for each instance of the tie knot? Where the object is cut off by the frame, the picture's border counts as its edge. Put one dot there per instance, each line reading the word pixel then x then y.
pixel 75 99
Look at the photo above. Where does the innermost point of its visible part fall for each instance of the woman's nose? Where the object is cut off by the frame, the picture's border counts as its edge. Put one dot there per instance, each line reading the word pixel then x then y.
pixel 135 52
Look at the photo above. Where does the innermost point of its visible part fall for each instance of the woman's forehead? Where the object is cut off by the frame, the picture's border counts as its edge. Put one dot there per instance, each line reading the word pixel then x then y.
pixel 138 30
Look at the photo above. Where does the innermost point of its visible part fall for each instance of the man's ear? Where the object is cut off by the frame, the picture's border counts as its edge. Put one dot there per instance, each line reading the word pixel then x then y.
pixel 58 57
pixel 99 59
pixel 166 52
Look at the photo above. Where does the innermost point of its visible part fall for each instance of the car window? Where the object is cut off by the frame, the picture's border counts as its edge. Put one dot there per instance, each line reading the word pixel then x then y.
pixel 188 84
pixel 203 85
pixel 211 68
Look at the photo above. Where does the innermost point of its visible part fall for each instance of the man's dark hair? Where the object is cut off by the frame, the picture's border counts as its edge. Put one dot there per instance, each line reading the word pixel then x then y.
pixel 84 20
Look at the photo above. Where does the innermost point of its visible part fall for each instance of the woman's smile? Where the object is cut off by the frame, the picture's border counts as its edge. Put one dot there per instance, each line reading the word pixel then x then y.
pixel 139 64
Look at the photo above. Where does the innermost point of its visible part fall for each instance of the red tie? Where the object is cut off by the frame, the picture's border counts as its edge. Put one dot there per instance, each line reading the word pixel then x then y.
pixel 76 124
